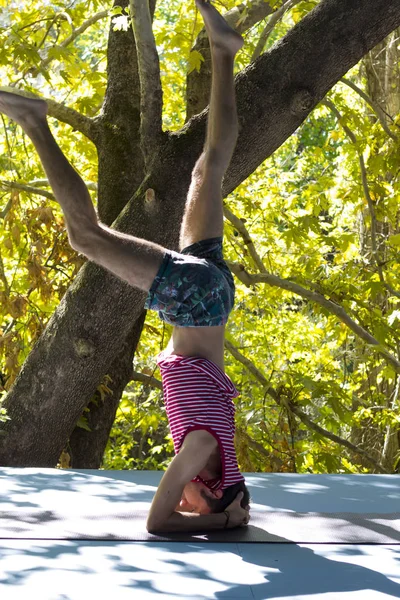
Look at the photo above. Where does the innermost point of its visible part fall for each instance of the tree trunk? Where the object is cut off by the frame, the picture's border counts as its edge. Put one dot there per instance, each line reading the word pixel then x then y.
pixel 87 447
pixel 198 83
pixel 382 70
pixel 121 170
pixel 121 165
pixel 274 96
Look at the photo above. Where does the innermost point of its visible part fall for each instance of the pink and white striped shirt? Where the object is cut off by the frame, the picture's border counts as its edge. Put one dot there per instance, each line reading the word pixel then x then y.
pixel 198 395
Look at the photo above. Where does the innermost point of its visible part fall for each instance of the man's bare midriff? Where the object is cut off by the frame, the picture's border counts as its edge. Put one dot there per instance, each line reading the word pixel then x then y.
pixel 206 342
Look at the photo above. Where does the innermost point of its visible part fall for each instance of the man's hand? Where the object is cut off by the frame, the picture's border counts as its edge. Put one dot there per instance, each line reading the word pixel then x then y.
pixel 238 516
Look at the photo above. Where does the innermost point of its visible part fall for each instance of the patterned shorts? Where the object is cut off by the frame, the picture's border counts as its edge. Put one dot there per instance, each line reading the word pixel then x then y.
pixel 193 288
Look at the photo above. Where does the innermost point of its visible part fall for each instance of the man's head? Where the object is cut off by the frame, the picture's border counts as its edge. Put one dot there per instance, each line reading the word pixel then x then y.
pixel 219 504
pixel 197 497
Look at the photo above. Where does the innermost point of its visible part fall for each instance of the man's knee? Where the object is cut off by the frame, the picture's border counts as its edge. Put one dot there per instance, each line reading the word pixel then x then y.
pixel 84 238
pixel 209 166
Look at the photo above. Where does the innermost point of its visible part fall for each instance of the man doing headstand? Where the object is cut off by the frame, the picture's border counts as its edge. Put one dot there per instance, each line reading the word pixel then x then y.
pixel 193 290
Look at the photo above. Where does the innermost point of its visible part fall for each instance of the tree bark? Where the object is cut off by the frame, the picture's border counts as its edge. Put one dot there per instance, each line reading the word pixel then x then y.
pixel 121 165
pixel 121 169
pixel 275 94
pixel 87 447
pixel 198 83
pixel 382 71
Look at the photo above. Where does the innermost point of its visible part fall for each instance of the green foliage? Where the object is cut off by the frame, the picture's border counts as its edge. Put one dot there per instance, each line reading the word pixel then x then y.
pixel 140 438
pixel 37 263
pixel 305 209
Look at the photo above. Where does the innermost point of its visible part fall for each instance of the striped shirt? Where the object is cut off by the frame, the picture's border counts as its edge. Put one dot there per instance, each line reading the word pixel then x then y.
pixel 198 395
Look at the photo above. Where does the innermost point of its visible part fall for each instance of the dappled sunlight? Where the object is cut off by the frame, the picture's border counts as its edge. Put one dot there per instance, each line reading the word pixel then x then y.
pixel 303 571
pixel 171 570
pixel 203 571
pixel 47 483
pixel 57 504
pixel 51 503
pixel 100 513
pixel 325 493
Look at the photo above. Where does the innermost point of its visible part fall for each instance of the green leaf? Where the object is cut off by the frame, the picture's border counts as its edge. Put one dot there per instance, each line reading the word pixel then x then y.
pixel 195 60
pixel 394 240
pixel 83 424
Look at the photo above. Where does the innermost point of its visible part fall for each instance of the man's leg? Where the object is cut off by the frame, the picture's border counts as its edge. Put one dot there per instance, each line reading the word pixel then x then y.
pixel 203 216
pixel 134 260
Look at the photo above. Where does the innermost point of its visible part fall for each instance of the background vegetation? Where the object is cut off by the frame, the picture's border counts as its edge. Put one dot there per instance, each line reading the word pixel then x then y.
pixel 317 394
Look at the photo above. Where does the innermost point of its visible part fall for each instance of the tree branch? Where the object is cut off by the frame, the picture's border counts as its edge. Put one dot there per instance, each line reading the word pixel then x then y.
pixel 63 113
pixel 276 16
pixel 72 117
pixel 241 18
pixel 367 195
pixel 121 167
pixel 82 28
pixel 304 418
pixel 71 38
pixel 275 462
pixel 13 185
pixel 332 307
pixel 6 209
pixel 150 81
pixel 32 188
pixel 250 366
pixel 3 277
pixel 147 380
pixel 240 226
pixel 374 105
pixel 335 438
pixel 91 185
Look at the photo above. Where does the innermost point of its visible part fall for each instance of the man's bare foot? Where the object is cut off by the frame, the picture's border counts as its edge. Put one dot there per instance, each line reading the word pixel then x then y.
pixel 27 112
pixel 220 34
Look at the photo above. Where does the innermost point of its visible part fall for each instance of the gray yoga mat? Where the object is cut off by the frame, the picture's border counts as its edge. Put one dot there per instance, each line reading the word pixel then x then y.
pixel 47 504
pixel 129 525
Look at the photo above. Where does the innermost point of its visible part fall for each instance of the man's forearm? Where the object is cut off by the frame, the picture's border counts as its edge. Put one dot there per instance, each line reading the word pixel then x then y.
pixel 179 521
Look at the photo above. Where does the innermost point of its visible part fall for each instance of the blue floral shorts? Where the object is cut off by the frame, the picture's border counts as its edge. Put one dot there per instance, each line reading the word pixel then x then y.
pixel 193 288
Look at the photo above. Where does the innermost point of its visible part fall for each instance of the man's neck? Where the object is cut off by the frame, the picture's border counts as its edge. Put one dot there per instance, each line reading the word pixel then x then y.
pixel 213 468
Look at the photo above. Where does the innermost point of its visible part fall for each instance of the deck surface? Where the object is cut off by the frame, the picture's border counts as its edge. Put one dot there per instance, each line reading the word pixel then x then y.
pixel 118 570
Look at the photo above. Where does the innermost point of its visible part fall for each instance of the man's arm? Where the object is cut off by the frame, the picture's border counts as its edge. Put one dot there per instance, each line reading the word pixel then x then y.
pixel 192 458
pixel 179 521
pixel 237 517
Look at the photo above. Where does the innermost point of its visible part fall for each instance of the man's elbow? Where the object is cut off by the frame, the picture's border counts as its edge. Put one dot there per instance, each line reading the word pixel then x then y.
pixel 164 525
pixel 153 527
